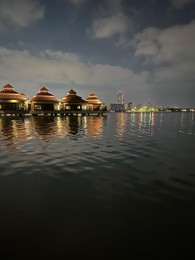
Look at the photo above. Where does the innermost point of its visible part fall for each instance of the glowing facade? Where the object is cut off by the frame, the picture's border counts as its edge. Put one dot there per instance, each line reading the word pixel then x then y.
pixel 73 102
pixel 94 103
pixel 44 100
pixel 10 100
pixel 121 97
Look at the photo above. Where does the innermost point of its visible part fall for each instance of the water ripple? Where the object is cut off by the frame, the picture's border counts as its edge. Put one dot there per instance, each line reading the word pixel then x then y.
pixel 143 154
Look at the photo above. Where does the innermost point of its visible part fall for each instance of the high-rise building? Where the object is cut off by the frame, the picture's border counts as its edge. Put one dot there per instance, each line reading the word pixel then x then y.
pixel 117 107
pixel 121 97
pixel 129 106
pixel 120 105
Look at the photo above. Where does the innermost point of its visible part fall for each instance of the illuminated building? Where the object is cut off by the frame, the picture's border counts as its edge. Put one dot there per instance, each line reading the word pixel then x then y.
pixel 120 106
pixel 117 107
pixel 26 101
pixel 94 103
pixel 72 102
pixel 12 102
pixel 44 101
pixel 121 97
pixel 129 106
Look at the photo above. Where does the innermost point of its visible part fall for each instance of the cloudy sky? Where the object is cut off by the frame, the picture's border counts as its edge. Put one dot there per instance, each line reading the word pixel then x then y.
pixel 144 47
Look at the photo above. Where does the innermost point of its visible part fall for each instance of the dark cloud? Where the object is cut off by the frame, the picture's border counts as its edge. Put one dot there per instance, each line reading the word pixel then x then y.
pixel 145 48
pixel 20 13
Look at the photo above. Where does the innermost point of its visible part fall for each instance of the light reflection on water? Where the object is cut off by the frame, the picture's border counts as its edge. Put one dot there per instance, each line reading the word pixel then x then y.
pixel 142 143
pixel 106 164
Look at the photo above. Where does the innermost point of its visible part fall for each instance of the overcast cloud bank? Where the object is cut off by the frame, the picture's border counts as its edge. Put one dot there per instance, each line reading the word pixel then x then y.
pixel 19 13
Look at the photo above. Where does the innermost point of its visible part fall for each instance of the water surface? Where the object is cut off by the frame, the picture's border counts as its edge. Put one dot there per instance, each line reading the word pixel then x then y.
pixel 123 183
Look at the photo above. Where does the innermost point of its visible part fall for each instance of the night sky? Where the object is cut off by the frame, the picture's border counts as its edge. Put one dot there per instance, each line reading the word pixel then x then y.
pixel 145 48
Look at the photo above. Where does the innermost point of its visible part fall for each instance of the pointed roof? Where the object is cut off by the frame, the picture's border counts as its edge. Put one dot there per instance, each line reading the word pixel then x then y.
pixel 73 98
pixel 44 89
pixel 8 86
pixel 8 89
pixel 93 99
pixel 71 92
pixel 44 96
pixel 8 93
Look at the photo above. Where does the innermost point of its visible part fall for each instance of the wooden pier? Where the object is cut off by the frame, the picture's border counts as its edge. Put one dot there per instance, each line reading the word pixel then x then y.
pixel 13 112
pixel 66 113
pixel 50 113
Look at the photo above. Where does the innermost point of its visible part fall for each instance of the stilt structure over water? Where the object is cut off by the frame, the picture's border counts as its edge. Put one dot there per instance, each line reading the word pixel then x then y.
pixel 72 102
pixel 44 103
pixel 12 102
pixel 94 103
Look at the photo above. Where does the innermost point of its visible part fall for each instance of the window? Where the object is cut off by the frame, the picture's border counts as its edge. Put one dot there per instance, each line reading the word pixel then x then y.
pixel 68 107
pixel 37 107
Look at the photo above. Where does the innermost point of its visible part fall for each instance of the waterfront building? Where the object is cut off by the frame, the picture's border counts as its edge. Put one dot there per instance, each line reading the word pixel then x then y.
pixel 94 103
pixel 120 105
pixel 73 102
pixel 44 101
pixel 129 106
pixel 12 102
pixel 26 101
pixel 117 107
pixel 121 97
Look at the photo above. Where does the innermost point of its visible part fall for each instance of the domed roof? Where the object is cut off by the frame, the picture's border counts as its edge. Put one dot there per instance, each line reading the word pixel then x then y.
pixel 72 98
pixel 92 99
pixel 8 93
pixel 44 96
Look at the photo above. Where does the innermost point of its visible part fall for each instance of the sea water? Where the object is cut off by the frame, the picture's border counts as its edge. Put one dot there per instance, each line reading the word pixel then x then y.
pixel 119 184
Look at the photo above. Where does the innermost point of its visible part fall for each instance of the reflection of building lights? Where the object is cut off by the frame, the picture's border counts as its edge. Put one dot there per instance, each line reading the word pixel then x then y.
pixel 145 122
pixel 94 126
pixel 61 129
pixel 140 119
pixel 120 124
pixel 19 131
pixel 153 117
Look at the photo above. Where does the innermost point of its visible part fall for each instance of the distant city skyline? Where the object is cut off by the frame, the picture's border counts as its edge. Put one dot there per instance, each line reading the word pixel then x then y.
pixel 144 48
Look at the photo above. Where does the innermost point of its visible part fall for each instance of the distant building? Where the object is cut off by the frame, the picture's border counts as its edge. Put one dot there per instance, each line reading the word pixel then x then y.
pixel 139 106
pixel 129 106
pixel 117 107
pixel 121 97
pixel 120 106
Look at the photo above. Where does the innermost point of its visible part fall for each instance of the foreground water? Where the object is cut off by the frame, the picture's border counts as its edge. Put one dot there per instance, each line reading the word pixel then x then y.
pixel 116 184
